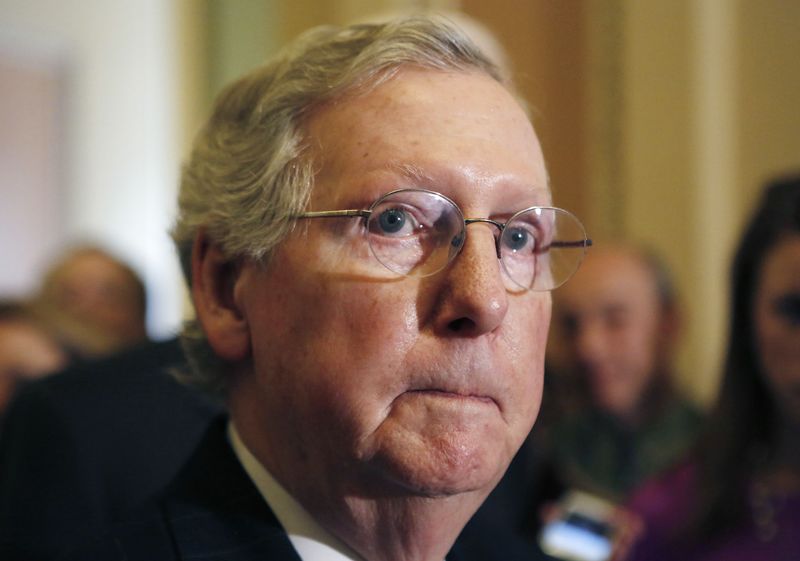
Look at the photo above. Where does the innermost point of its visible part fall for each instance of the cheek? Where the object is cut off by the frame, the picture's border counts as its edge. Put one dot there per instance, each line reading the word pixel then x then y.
pixel 526 351
pixel 368 335
pixel 335 314
pixel 638 347
pixel 351 343
pixel 525 334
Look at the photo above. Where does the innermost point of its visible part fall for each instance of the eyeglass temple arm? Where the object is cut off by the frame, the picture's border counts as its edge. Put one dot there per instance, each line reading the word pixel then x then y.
pixel 335 213
pixel 571 243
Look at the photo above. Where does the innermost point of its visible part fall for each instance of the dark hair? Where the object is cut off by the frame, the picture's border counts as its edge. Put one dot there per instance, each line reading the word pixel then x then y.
pixel 744 422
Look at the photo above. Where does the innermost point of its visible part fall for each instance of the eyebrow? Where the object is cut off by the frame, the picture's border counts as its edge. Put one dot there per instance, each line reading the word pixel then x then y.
pixel 424 179
pixel 412 171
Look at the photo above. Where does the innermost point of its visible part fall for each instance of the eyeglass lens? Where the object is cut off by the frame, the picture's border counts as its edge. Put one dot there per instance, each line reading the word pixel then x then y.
pixel 417 233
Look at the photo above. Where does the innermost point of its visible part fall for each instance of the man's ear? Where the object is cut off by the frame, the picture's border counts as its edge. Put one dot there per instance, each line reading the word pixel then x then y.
pixel 214 278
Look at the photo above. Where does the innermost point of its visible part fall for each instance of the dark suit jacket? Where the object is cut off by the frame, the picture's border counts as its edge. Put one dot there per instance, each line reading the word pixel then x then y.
pixel 213 512
pixel 84 447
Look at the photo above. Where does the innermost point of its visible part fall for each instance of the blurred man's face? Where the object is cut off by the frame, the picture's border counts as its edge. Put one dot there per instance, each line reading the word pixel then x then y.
pixel 101 296
pixel 610 319
pixel 372 382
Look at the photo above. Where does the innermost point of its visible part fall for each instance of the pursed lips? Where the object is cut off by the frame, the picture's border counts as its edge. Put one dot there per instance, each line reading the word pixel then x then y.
pixel 470 373
pixel 454 394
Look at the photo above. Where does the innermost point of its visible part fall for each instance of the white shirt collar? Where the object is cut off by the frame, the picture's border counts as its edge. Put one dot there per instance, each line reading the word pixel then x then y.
pixel 312 541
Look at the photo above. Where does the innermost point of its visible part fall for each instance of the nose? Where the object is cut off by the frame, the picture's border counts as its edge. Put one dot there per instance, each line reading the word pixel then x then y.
pixel 472 297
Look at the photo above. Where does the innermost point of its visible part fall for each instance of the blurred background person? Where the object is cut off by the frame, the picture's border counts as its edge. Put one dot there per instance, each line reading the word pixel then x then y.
pixel 28 350
pixel 95 301
pixel 737 496
pixel 82 447
pixel 616 415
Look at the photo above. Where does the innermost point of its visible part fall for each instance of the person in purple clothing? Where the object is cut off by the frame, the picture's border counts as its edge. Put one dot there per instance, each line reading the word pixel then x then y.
pixel 737 497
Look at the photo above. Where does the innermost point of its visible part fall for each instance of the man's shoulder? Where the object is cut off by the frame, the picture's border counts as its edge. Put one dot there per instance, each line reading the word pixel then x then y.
pixel 177 529
pixel 676 425
pixel 686 411
pixel 135 384
pixel 487 539
pixel 210 510
pixel 92 443
pixel 127 375
pixel 144 536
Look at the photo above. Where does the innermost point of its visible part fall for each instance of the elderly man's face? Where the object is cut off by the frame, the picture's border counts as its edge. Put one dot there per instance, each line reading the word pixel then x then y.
pixel 371 382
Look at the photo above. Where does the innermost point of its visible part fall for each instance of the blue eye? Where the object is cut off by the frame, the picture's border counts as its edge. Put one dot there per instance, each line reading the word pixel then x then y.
pixel 392 220
pixel 517 239
pixel 788 308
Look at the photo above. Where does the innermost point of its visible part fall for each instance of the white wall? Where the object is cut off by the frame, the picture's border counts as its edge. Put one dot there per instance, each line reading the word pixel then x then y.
pixel 120 129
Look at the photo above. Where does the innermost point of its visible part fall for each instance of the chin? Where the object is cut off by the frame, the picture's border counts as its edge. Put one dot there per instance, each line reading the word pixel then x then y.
pixel 446 468
pixel 443 483
pixel 434 445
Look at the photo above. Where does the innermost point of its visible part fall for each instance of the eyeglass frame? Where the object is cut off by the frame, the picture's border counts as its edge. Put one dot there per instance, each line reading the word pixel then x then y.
pixel 367 213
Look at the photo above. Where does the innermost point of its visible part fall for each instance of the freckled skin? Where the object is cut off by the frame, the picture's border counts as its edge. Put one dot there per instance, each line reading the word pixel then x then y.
pixel 367 389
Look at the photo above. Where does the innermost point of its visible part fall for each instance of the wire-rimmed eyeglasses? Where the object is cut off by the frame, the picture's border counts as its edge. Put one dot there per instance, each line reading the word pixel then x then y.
pixel 417 232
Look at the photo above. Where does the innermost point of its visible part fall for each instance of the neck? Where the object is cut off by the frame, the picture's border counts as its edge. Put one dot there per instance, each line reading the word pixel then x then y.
pixel 409 528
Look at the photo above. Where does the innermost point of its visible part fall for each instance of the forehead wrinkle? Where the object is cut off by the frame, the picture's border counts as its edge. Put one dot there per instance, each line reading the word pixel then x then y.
pixel 439 180
pixel 412 171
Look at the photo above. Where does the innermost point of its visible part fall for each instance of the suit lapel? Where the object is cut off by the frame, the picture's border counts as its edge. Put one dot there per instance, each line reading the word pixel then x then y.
pixel 215 512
